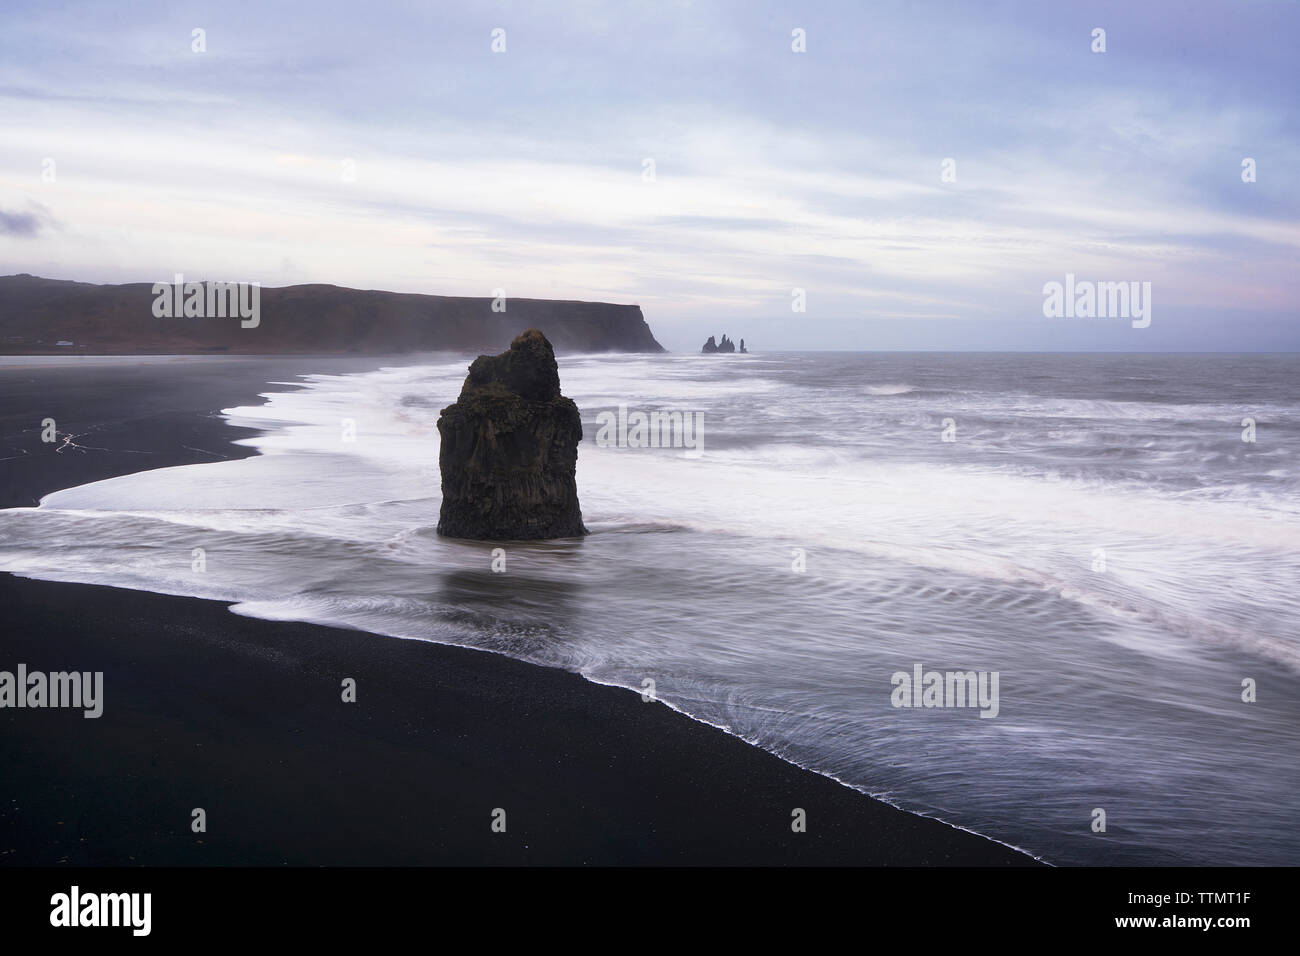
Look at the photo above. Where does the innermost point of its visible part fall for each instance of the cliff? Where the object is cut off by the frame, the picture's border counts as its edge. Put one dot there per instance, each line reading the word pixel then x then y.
pixel 36 314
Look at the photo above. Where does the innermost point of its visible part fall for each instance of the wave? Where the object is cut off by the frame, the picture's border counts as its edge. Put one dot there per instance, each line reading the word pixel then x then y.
pixel 889 389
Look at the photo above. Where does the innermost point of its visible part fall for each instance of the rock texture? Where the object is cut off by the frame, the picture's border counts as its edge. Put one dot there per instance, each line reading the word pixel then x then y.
pixel 510 449
pixel 37 313
pixel 726 345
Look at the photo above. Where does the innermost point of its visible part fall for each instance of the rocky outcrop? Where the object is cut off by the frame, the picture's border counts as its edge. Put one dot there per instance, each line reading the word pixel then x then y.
pixel 726 345
pixel 510 449
pixel 36 314
pixel 743 350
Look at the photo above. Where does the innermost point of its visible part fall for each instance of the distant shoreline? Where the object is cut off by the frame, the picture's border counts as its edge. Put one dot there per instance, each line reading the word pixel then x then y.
pixel 38 314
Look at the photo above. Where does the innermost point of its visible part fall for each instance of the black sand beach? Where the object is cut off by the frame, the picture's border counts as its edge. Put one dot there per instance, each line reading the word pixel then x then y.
pixel 243 717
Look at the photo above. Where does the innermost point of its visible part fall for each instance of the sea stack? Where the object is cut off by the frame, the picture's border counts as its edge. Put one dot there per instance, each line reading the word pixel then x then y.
pixel 509 452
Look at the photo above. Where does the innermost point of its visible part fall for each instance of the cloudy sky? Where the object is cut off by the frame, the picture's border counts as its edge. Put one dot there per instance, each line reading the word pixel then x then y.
pixel 386 145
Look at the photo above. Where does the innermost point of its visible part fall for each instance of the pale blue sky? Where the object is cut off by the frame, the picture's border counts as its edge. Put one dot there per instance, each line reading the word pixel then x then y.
pixel 385 145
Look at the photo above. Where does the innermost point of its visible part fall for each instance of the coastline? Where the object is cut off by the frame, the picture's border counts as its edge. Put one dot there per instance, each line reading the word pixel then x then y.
pixel 243 717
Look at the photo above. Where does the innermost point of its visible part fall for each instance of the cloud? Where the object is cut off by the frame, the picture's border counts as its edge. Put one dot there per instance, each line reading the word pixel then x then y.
pixel 443 167
pixel 25 225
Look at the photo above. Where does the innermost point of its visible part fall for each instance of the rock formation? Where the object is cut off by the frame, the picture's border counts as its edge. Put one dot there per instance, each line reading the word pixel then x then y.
pixel 743 350
pixel 510 449
pixel 726 345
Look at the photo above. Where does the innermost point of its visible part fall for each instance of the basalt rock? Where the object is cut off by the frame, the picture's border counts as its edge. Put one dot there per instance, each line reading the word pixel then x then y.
pixel 726 345
pixel 510 449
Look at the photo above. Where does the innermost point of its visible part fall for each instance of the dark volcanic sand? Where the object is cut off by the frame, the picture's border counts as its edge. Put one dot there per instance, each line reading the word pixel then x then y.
pixel 243 717
pixel 132 417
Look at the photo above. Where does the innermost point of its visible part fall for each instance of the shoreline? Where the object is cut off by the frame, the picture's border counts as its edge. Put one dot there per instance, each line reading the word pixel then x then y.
pixel 244 717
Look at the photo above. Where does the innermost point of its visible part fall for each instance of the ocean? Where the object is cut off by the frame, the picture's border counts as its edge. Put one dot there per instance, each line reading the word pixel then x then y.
pixel 1115 539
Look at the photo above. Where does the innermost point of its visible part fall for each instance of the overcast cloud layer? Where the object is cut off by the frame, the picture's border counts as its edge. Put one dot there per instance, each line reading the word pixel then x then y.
pixel 385 145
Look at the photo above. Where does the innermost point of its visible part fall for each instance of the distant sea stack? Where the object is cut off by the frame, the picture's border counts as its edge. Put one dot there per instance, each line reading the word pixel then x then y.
pixel 54 316
pixel 726 345
pixel 509 452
